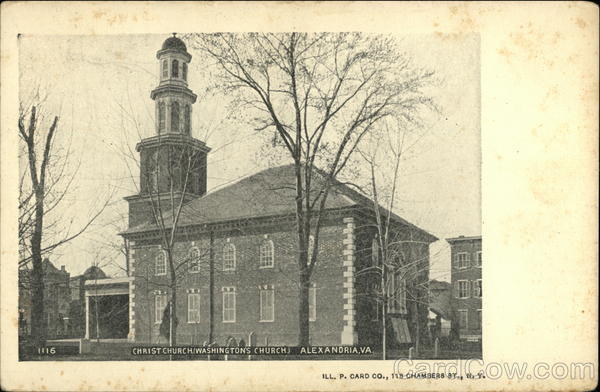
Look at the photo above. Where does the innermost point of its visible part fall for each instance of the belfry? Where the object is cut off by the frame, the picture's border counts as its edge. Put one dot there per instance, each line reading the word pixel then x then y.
pixel 172 161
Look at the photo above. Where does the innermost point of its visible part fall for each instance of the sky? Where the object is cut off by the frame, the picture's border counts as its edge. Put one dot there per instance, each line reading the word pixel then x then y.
pixel 100 87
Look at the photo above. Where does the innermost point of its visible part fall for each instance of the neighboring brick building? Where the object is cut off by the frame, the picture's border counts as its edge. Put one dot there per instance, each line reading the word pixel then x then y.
pixel 467 286
pixel 56 300
pixel 237 247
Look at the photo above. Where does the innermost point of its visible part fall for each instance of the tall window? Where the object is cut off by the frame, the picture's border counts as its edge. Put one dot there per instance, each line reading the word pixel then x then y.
pixel 478 319
pixel 396 293
pixel 193 315
pixel 266 254
pixel 463 289
pixel 160 303
pixel 267 303
pixel 184 71
pixel 311 247
pixel 194 259
pixel 375 251
pixel 463 318
pixel 161 116
pixel 186 119
pixel 478 259
pixel 160 266
pixel 312 302
pixel 175 69
pixel 477 288
pixel 175 117
pixel 461 260
pixel 165 69
pixel 229 257
pixel 229 304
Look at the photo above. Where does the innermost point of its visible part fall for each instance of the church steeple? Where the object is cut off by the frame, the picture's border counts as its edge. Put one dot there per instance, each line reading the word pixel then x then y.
pixel 172 96
pixel 172 162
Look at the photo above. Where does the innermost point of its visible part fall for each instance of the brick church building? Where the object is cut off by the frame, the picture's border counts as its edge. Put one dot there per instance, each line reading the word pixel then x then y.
pixel 237 246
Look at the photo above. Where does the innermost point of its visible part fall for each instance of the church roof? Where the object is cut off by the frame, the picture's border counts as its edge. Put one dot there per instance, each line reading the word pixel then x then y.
pixel 270 192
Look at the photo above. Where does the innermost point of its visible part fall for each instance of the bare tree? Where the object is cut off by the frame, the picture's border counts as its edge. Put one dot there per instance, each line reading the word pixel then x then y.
pixel 319 94
pixel 44 183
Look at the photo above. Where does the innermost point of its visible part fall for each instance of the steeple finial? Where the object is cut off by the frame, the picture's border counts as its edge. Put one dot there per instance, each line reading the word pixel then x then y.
pixel 174 34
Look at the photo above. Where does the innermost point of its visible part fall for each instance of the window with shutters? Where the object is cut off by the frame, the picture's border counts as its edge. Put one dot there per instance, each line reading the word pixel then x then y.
pixel 193 315
pixel 160 303
pixel 312 302
pixel 229 257
pixel 267 303
pixel 463 288
pixel 229 304
pixel 462 260
pixel 266 254
pixel 463 318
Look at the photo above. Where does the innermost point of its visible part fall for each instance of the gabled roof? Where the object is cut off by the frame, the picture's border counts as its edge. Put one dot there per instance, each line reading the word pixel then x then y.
pixel 270 192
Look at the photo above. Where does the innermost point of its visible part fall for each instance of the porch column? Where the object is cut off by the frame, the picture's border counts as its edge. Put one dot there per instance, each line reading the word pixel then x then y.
pixel 87 316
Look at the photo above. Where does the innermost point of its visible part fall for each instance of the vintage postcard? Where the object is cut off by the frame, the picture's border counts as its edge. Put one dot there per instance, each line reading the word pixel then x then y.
pixel 299 196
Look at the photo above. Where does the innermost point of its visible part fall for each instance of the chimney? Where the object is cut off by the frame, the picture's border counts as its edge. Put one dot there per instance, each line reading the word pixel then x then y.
pixel 62 268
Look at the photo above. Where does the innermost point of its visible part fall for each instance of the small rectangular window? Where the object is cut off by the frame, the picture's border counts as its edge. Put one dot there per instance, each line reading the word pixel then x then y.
pixel 478 259
pixel 463 289
pixel 463 260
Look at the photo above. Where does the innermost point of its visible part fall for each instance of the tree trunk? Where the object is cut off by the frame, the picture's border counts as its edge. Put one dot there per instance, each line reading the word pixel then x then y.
pixel 38 325
pixel 211 300
pixel 173 317
pixel 303 325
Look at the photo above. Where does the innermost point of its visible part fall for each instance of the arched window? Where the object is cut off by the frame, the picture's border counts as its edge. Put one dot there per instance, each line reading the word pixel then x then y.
pixel 165 69
pixel 161 116
pixel 175 117
pixel 194 259
pixel 160 266
pixel 266 254
pixel 175 69
pixel 186 119
pixel 375 251
pixel 184 71
pixel 229 257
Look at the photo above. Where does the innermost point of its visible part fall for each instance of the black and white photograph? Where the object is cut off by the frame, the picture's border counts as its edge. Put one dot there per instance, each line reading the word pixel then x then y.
pixel 253 189
pixel 194 188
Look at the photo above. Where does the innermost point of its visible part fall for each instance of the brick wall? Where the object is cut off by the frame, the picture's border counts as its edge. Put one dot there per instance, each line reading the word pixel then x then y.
pixel 247 277
pixel 470 273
